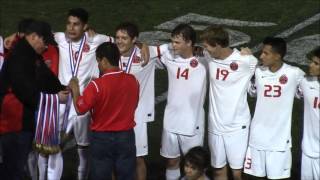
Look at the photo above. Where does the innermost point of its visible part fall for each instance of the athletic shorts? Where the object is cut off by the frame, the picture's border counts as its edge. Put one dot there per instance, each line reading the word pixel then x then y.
pixel 141 135
pixel 273 164
pixel 80 127
pixel 228 148
pixel 310 167
pixel 172 144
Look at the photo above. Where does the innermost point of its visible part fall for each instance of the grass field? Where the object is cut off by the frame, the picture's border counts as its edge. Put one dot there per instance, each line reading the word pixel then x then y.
pixel 105 15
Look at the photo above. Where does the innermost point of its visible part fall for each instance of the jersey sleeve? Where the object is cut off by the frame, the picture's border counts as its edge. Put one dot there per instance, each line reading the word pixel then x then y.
pixel 252 89
pixel 100 38
pixel 158 54
pixel 59 37
pixel 300 78
pixel 253 61
pixel 88 99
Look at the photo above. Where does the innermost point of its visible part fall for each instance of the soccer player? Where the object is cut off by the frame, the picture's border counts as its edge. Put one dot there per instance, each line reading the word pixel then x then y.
pixel 132 62
pixel 309 89
pixel 184 113
pixel 275 84
pixel 196 162
pixel 77 59
pixel 112 99
pixel 229 114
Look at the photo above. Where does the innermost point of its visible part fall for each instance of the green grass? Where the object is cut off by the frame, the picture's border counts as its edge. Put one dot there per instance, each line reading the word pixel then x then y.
pixel 105 15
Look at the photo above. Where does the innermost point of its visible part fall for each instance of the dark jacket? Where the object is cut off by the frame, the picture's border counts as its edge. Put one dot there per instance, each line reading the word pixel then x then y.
pixel 26 75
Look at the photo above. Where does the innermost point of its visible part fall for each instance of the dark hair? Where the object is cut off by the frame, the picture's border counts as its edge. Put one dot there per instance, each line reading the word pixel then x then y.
pixel 187 32
pixel 42 29
pixel 80 13
pixel 214 35
pixel 23 24
pixel 278 45
pixel 314 53
pixel 198 157
pixel 110 51
pixel 131 29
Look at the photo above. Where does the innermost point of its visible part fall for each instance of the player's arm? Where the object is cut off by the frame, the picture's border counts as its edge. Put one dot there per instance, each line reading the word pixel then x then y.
pixel 157 53
pixel 85 102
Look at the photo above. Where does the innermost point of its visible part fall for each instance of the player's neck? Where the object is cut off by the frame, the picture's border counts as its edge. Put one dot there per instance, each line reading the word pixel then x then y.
pixel 187 54
pixel 225 53
pixel 275 67
pixel 128 53
pixel 77 39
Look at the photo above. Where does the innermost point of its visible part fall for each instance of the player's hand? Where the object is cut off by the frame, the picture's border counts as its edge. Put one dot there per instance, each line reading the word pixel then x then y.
pixel 74 84
pixel 63 96
pixel 91 32
pixel 245 51
pixel 9 40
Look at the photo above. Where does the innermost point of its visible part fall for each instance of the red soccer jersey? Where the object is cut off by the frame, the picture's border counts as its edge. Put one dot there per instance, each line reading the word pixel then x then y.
pixel 112 99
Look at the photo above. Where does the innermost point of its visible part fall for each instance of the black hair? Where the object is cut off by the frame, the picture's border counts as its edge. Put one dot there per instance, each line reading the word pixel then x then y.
pixel 198 157
pixel 278 45
pixel 110 51
pixel 187 32
pixel 314 53
pixel 131 29
pixel 80 13
pixel 23 24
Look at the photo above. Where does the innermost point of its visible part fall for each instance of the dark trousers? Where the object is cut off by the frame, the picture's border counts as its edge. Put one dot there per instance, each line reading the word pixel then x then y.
pixel 15 149
pixel 112 151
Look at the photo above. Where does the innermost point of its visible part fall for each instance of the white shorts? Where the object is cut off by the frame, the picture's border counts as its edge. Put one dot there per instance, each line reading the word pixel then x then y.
pixel 310 167
pixel 273 164
pixel 80 128
pixel 172 144
pixel 140 131
pixel 228 148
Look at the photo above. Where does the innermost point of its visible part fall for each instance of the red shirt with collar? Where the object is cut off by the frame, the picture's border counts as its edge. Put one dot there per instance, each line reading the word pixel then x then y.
pixel 112 99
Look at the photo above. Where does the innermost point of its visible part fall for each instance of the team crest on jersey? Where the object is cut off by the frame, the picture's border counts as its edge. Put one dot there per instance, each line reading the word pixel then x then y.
pixel 283 79
pixel 193 63
pixel 86 47
pixel 234 66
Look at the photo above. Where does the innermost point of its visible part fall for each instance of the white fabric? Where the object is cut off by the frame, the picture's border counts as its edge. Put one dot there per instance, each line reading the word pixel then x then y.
pixel 271 125
pixel 172 174
pixel 83 167
pixel 184 112
pixel 145 76
pixel 50 167
pixel 229 80
pixel 310 89
pixel 310 168
pixel 173 144
pixel 33 164
pixel 141 136
pixel 1 52
pixel 273 164
pixel 88 70
pixel 228 148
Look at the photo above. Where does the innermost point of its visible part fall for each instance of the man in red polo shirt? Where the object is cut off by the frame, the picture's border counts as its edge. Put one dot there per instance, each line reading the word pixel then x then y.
pixel 112 100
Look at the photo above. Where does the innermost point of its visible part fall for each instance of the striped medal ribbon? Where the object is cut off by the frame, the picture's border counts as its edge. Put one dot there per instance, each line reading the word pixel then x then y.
pixel 127 70
pixel 46 137
pixel 74 66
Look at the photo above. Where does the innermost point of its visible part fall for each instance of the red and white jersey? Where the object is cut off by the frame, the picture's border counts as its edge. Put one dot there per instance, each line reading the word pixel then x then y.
pixel 310 89
pixel 145 76
pixel 1 52
pixel 184 112
pixel 88 66
pixel 229 80
pixel 271 124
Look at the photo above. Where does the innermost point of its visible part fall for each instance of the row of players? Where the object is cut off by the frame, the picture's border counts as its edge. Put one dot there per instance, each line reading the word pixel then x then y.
pixel 265 151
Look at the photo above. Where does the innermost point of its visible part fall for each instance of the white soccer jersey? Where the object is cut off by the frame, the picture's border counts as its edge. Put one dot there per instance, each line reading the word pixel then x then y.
pixel 88 67
pixel 271 125
pixel 229 79
pixel 145 76
pixel 310 89
pixel 184 112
